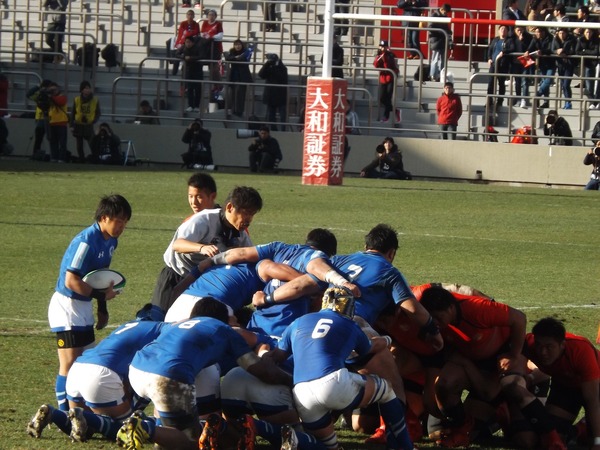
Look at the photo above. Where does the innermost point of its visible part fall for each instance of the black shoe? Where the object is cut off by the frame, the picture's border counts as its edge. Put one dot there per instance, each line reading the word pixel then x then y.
pixel 545 105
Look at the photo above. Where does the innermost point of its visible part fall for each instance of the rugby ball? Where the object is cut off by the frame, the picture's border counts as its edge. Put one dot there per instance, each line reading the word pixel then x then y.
pixel 101 278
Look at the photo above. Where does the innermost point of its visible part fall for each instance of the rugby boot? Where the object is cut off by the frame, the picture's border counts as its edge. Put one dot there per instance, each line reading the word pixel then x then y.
pixel 79 426
pixel 248 439
pixel 289 440
pixel 210 433
pixel 458 436
pixel 131 435
pixel 39 421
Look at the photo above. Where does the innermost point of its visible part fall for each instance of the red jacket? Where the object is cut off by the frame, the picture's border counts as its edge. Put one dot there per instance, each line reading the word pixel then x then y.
pixel 386 60
pixel 449 109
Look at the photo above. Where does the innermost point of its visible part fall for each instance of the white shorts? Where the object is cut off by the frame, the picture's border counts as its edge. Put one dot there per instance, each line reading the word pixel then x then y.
pixel 182 308
pixel 262 398
pixel 66 313
pixel 208 382
pixel 174 396
pixel 168 396
pixel 336 391
pixel 97 385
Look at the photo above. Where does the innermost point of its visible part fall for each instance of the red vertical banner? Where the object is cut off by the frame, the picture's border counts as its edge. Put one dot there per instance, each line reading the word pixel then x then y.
pixel 324 128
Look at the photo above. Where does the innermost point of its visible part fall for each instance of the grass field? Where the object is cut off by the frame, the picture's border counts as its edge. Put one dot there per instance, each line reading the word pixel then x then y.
pixel 536 249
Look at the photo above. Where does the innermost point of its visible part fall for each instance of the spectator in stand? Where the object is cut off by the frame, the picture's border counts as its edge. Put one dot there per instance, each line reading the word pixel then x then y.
pixel 564 45
pixel 270 16
pixel 386 61
pixel 538 10
pixel 352 121
pixel 39 94
pixel 588 45
pixel 146 115
pixel 58 124
pixel 560 13
pixel 239 73
pixel 5 148
pixel 57 24
pixel 449 110
pixel 387 164
pixel 211 32
pixel 337 59
pixel 275 74
pixel 191 55
pixel 512 12
pixel 557 126
pixel 592 158
pixel 439 42
pixel 106 146
pixel 541 49
pixel 413 8
pixel 499 62
pixel 189 27
pixel 265 153
pixel 522 40
pixel 583 15
pixel 84 114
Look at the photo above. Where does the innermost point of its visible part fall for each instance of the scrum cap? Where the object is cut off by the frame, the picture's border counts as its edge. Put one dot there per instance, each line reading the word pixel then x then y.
pixel 340 300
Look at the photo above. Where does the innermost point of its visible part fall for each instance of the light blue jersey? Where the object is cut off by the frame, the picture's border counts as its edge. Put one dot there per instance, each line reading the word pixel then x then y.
pixel 320 343
pixel 380 283
pixel 185 348
pixel 88 251
pixel 274 319
pixel 117 350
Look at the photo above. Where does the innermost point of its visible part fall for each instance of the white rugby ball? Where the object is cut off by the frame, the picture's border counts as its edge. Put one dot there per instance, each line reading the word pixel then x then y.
pixel 101 279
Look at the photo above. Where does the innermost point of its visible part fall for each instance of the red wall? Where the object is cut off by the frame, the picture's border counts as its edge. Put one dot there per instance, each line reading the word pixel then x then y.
pixel 480 33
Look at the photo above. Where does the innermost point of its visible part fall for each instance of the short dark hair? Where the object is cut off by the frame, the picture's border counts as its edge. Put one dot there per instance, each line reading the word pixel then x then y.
pixel 203 181
pixel 264 128
pixel 559 7
pixel 437 298
pixel 245 197
pixel 550 327
pixel 323 240
pixel 209 307
pixel 112 206
pixel 382 238
pixel 449 83
pixel 446 7
pixel 84 84
pixel 584 9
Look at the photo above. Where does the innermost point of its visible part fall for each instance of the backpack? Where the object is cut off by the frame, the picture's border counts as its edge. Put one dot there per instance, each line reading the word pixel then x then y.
pixel 89 52
pixel 110 55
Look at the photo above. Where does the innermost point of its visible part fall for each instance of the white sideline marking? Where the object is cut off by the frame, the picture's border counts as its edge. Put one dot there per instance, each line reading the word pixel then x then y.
pixel 440 236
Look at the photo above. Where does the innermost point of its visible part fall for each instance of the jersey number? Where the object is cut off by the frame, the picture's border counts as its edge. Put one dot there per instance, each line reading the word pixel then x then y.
pixel 354 271
pixel 321 328
pixel 127 326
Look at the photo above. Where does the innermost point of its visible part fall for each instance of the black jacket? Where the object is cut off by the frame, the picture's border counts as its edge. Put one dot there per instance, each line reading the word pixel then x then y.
pixel 437 39
pixel 274 73
pixel 560 128
pixel 268 145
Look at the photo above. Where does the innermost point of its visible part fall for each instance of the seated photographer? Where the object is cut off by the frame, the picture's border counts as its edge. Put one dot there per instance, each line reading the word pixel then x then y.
pixel 387 164
pixel 555 125
pixel 265 153
pixel 106 146
pixel 199 154
pixel 592 158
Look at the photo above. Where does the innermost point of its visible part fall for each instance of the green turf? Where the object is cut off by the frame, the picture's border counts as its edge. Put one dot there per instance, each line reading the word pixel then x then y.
pixel 533 248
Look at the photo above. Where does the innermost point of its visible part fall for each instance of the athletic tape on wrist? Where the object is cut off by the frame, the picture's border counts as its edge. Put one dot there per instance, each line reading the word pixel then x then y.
pixel 332 277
